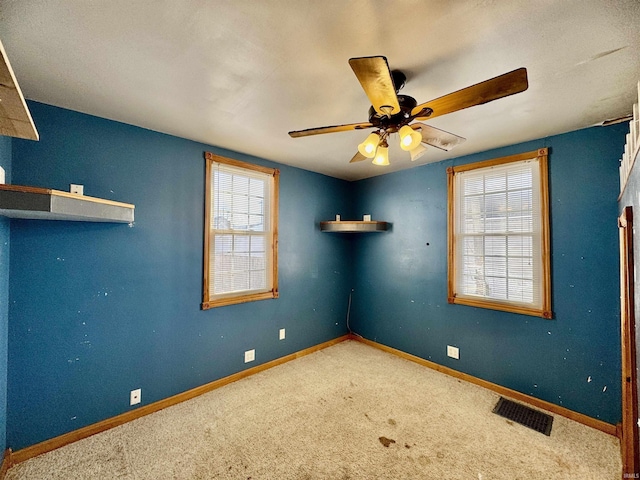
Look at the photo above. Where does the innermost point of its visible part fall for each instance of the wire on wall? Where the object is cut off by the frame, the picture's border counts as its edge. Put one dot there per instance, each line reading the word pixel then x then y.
pixel 351 332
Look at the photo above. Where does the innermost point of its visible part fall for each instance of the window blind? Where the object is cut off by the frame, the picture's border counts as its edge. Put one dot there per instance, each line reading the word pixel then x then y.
pixel 239 254
pixel 498 233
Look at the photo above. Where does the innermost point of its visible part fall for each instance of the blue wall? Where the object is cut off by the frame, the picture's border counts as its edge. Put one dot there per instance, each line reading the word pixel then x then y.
pixel 400 296
pixel 100 309
pixel 5 162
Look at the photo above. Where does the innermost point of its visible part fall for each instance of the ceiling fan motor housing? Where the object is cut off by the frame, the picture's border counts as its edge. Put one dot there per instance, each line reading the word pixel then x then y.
pixel 399 79
pixel 406 103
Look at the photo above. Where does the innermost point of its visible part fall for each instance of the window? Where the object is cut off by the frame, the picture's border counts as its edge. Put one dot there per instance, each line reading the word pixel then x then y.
pixel 499 234
pixel 240 238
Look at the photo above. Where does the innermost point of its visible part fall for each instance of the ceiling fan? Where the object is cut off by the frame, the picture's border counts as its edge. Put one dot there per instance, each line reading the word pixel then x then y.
pixel 392 113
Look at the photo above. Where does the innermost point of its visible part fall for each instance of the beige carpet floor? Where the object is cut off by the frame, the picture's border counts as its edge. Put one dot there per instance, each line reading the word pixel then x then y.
pixel 347 412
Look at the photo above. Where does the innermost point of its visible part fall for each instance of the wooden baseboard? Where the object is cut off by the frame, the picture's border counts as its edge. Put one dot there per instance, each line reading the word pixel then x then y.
pixel 7 462
pixel 506 392
pixel 84 432
pixel 12 458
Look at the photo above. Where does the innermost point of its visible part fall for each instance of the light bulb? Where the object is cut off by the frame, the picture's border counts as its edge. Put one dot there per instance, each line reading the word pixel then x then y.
pixel 382 155
pixel 409 138
pixel 369 146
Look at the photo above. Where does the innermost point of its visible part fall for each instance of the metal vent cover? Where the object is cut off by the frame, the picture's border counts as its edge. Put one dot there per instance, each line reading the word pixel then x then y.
pixel 534 419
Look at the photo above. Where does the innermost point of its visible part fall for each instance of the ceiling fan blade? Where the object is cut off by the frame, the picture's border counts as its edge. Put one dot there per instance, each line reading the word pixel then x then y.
pixel 483 92
pixel 331 129
pixel 358 157
pixel 375 77
pixel 438 138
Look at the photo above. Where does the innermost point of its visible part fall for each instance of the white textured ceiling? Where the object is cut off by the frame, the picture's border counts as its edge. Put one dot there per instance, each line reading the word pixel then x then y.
pixel 241 74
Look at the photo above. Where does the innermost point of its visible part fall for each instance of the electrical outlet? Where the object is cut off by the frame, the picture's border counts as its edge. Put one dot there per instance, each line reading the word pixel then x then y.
pixel 453 352
pixel 282 334
pixel 74 188
pixel 249 356
pixel 136 396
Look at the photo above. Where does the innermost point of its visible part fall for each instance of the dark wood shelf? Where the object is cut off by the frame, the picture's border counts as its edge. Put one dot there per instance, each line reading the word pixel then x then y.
pixel 353 226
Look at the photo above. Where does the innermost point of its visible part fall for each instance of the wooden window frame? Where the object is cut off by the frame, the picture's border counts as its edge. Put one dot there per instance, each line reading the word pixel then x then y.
pixel 208 302
pixel 545 311
pixel 628 433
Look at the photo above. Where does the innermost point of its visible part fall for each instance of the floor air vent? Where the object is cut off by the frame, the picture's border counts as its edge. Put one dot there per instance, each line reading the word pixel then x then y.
pixel 538 421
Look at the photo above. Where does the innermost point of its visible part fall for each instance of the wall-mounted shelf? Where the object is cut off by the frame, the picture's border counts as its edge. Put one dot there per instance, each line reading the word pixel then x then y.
pixel 17 201
pixel 353 226
pixel 15 119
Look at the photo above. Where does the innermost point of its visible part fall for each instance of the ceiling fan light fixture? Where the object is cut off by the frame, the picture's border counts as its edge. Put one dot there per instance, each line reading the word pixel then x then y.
pixel 409 138
pixel 382 155
pixel 417 152
pixel 391 113
pixel 370 145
